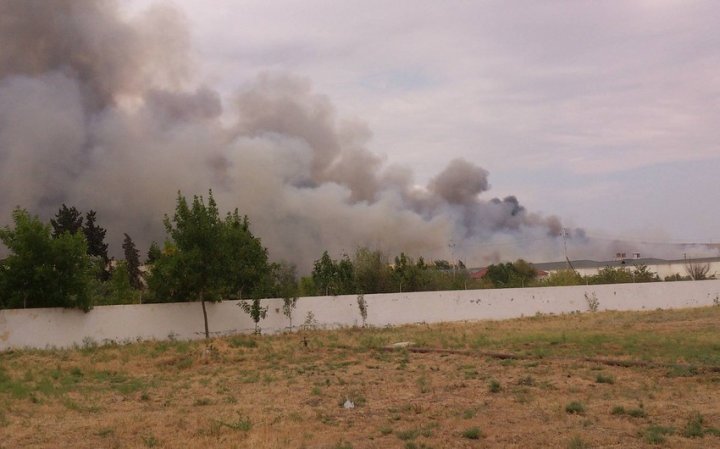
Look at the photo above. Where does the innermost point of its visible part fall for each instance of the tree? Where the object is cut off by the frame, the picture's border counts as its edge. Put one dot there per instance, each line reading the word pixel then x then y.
pixel 517 274
pixel 153 254
pixel 66 220
pixel 132 263
pixel 332 277
pixel 371 272
pixel 95 237
pixel 256 312
pixel 286 287
pixel 697 271
pixel 41 271
pixel 207 258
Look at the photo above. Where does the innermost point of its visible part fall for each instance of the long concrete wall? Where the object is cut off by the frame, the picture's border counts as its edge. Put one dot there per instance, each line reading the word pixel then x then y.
pixel 45 328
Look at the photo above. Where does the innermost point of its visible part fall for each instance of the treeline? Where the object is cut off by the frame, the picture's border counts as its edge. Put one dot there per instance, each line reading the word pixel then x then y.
pixel 208 257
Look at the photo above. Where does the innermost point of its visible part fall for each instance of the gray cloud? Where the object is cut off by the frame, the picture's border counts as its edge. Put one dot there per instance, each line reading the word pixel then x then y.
pixel 98 111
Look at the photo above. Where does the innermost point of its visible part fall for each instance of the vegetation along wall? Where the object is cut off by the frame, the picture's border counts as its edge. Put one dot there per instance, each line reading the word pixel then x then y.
pixel 56 327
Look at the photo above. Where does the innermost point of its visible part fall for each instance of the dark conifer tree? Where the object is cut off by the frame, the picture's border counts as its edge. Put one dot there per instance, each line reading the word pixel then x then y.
pixel 95 236
pixel 132 258
pixel 66 220
pixel 153 254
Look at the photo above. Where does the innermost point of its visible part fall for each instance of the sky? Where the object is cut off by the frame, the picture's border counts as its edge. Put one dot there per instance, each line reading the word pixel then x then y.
pixel 604 113
pixel 473 130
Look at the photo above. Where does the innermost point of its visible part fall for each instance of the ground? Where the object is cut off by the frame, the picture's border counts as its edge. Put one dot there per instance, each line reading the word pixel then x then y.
pixel 595 380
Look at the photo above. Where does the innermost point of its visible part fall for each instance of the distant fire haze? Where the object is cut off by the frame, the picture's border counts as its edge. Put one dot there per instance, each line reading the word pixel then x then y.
pixel 99 111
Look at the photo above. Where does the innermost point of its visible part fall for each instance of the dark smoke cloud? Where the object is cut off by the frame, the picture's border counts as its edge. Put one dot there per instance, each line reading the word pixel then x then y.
pixel 96 111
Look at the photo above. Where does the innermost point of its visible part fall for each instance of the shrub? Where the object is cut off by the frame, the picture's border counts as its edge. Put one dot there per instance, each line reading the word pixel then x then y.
pixel 473 433
pixel 575 408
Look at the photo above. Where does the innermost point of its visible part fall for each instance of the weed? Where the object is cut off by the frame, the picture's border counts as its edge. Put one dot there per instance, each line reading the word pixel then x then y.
pixel 385 430
pixel 694 426
pixel 242 341
pixel 202 402
pixel 241 423
pixel 150 440
pixel 636 413
pixel 406 435
pixel 342 444
pixel 618 410
pixel 682 371
pixel 469 413
pixel 575 408
pixel 527 381
pixel 656 434
pixel 577 443
pixel 473 433
pixel 593 303
pixel 494 386
pixel 105 432
pixel 603 379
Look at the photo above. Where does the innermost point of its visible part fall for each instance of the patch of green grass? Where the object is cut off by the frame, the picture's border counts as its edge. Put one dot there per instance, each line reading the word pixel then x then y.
pixel 202 402
pixel 694 427
pixel 603 379
pixel 409 434
pixel 385 430
pixel 575 408
pixel 242 423
pixel 242 341
pixel 577 443
pixel 682 371
pixel 150 440
pixel 494 386
pixel 473 433
pixel 655 434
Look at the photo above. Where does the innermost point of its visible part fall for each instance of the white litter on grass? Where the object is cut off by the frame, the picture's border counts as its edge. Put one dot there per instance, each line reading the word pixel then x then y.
pixel 348 404
pixel 401 344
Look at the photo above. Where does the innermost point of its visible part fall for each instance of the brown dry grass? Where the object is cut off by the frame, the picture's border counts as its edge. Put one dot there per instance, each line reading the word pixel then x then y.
pixel 274 392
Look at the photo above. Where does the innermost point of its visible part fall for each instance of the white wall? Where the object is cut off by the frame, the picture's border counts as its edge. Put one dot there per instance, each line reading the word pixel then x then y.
pixel 41 328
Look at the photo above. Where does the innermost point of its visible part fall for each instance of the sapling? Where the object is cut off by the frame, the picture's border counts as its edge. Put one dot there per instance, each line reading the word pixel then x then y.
pixel 362 305
pixel 256 312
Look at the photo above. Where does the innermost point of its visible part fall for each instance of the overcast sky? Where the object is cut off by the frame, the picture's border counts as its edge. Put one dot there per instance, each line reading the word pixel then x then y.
pixel 604 113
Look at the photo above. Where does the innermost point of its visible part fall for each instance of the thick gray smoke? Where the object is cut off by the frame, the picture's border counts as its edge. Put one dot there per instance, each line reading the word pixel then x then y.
pixel 97 111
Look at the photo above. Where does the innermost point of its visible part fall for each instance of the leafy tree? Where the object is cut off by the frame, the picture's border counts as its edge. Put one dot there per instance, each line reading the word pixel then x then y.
pixel 286 287
pixel 132 263
pixel 332 277
pixel 255 310
pixel 41 271
pixel 442 264
pixel 562 278
pixel 611 275
pixel 117 290
pixel 407 275
pixel 371 272
pixel 641 273
pixel 153 254
pixel 517 274
pixel 207 258
pixel 66 220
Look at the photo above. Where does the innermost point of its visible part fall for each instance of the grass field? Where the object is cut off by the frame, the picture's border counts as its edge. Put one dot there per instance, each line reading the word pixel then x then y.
pixel 595 380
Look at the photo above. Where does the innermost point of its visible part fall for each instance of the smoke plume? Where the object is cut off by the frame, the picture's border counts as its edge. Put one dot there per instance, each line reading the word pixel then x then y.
pixel 98 111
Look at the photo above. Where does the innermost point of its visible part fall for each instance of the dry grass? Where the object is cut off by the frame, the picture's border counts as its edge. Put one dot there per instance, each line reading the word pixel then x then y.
pixel 274 392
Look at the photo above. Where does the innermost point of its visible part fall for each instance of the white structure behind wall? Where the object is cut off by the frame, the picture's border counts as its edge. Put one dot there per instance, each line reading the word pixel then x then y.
pixel 42 328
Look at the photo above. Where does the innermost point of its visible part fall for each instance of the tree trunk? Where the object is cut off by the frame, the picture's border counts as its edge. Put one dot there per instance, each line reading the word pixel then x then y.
pixel 207 331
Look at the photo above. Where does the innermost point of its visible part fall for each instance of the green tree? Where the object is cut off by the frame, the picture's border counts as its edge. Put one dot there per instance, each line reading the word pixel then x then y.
pixel 132 263
pixel 611 275
pixel 371 272
pixel 95 237
pixel 332 277
pixel 286 287
pixel 67 219
pixel 562 278
pixel 207 258
pixel 153 254
pixel 41 271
